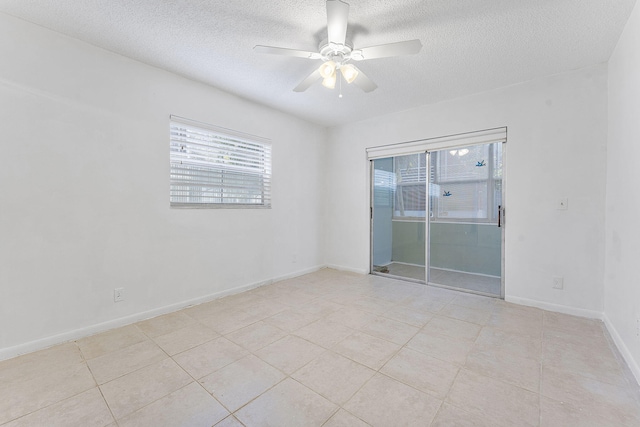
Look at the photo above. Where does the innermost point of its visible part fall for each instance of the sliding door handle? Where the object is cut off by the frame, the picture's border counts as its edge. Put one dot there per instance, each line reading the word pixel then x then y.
pixel 499 215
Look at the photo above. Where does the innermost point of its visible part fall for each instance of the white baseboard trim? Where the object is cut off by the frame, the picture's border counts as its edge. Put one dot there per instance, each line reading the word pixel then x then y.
pixel 298 273
pixel 622 348
pixel 43 343
pixel 592 314
pixel 348 269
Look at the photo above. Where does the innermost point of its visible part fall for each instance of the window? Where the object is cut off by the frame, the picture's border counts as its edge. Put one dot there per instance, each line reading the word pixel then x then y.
pixel 473 175
pixel 214 167
pixel 411 178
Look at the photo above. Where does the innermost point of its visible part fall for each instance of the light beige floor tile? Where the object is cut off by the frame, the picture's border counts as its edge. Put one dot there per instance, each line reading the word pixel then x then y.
pixel 291 319
pixel 598 342
pixel 390 330
pixel 407 315
pixel 519 371
pixel 453 328
pixel 351 317
pixel 287 404
pixel 372 305
pixel 452 416
pixel 164 324
pixel 321 307
pixel 572 387
pixel 499 400
pixel 110 341
pixel 595 363
pixel 519 321
pixel 504 307
pixel 573 324
pixel 584 382
pixel 324 332
pixel 472 315
pixel 423 372
pixel 386 402
pixel 240 300
pixel 23 396
pixel 35 364
pixel 256 336
pixel 343 418
pixel 441 347
pixel 189 406
pixel 228 321
pixel 86 409
pixel 334 376
pixel 476 302
pixel 290 353
pixel 209 357
pixel 295 298
pixel 133 391
pixel 431 302
pixel 113 365
pixel 509 342
pixel 366 349
pixel 266 308
pixel 242 381
pixel 554 413
pixel 395 293
pixel 185 338
pixel 230 421
pixel 206 309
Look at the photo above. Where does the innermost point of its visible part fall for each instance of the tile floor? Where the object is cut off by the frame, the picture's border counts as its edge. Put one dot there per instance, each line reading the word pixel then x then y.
pixel 330 349
pixel 454 279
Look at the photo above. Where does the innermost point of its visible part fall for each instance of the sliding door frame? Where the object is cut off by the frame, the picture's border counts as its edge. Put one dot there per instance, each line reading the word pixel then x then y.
pixel 429 146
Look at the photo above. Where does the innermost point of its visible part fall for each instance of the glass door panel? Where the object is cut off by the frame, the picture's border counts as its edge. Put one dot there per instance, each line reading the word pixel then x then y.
pixel 465 238
pixel 399 216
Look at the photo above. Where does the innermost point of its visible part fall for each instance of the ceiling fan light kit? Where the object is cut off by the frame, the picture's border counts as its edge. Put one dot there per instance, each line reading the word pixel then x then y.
pixel 336 53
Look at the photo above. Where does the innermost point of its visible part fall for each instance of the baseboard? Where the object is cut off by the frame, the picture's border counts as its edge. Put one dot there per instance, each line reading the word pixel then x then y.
pixel 298 273
pixel 349 269
pixel 581 312
pixel 622 348
pixel 40 344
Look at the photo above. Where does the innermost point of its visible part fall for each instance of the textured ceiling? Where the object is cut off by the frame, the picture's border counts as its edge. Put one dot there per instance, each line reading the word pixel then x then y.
pixel 469 46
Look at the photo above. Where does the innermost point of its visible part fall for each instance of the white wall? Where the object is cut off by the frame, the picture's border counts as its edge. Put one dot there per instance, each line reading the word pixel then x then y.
pixel 557 132
pixel 622 281
pixel 84 177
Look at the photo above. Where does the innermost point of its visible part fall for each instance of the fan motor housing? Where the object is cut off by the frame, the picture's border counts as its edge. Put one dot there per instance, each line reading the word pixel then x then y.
pixel 334 51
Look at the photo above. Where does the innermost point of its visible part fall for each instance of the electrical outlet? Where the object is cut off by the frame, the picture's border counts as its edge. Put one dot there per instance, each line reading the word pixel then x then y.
pixel 558 283
pixel 638 328
pixel 118 294
pixel 294 258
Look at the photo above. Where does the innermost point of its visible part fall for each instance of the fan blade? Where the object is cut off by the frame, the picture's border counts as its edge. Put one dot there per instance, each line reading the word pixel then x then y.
pixel 409 47
pixel 364 82
pixel 337 13
pixel 287 52
pixel 306 83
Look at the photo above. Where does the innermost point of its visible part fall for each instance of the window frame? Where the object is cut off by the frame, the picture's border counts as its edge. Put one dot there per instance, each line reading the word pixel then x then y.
pixel 221 160
pixel 490 181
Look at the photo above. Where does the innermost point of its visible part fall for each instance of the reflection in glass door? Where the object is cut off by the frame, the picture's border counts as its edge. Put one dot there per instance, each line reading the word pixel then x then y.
pixel 465 218
pixel 399 216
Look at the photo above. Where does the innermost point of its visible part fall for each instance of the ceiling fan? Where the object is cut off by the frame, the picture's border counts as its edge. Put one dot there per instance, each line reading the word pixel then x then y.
pixel 336 53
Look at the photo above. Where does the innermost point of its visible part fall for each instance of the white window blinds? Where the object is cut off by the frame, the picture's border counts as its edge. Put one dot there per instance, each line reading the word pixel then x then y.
pixel 215 167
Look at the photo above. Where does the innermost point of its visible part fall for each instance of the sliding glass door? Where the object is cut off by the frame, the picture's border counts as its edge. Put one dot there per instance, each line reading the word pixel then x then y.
pixel 399 216
pixel 465 218
pixel 437 217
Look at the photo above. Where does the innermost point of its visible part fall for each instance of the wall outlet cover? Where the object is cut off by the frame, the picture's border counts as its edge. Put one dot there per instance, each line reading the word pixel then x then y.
pixel 558 283
pixel 118 294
